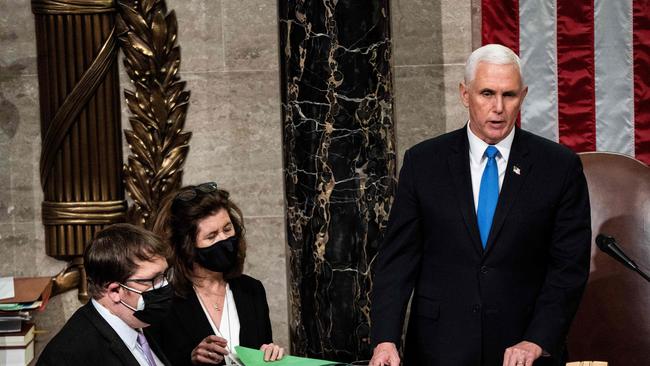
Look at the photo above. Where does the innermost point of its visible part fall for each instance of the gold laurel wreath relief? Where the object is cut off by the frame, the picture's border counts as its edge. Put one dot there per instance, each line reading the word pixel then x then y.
pixel 158 105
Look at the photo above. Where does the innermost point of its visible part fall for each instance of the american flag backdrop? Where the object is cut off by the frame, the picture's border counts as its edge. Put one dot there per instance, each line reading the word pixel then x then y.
pixel 587 66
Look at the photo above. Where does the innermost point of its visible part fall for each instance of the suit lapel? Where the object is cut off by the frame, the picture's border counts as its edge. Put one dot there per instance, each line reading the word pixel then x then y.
pixel 459 170
pixel 195 322
pixel 519 165
pixel 156 348
pixel 124 354
pixel 116 345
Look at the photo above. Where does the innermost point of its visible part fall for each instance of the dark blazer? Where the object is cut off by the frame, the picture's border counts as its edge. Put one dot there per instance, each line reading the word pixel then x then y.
pixel 187 325
pixel 470 304
pixel 87 339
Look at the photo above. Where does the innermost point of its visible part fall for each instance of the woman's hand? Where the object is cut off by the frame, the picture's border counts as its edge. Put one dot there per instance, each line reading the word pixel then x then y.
pixel 211 350
pixel 272 352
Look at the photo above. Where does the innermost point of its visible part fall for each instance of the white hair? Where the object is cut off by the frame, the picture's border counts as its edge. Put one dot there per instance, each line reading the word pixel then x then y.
pixel 493 54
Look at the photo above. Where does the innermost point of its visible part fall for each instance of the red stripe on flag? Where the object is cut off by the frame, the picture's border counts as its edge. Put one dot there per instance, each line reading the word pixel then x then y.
pixel 500 23
pixel 576 84
pixel 641 44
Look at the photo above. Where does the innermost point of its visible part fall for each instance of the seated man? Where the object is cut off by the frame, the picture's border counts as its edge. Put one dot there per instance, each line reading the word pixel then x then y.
pixel 127 280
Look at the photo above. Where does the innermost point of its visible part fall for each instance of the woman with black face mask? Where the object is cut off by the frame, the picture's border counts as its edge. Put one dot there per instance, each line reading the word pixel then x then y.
pixel 215 307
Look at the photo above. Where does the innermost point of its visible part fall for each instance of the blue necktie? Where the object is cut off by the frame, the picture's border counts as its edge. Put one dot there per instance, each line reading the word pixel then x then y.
pixel 488 194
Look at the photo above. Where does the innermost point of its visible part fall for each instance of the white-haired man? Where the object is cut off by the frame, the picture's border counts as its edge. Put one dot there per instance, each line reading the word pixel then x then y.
pixel 490 234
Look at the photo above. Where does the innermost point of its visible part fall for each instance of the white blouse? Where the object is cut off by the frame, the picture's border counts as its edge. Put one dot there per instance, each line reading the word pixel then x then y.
pixel 229 328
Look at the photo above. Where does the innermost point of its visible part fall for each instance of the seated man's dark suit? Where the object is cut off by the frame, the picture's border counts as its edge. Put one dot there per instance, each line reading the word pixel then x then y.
pixel 87 339
pixel 469 304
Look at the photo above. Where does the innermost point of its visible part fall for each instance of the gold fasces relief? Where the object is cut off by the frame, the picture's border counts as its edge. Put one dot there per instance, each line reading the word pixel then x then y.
pixel 81 153
pixel 147 35
pixel 67 114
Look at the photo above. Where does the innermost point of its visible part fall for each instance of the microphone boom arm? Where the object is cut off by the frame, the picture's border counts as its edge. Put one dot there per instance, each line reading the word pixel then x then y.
pixel 608 245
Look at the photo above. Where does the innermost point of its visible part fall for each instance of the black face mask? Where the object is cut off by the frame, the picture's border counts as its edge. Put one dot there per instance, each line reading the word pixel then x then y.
pixel 153 305
pixel 220 256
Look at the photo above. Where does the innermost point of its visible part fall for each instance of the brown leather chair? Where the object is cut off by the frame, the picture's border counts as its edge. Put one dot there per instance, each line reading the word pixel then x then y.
pixel 613 321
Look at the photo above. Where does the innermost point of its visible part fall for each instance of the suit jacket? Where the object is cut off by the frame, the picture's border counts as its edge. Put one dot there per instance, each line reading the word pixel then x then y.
pixel 469 304
pixel 87 339
pixel 187 325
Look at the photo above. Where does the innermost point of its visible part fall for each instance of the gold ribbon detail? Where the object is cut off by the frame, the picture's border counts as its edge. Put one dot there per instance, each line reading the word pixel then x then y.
pixel 73 7
pixel 83 213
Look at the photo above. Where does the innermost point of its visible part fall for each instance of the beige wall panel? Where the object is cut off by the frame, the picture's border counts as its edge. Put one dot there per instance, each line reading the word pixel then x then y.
pixel 419 105
pixel 416 30
pixel 235 118
pixel 18 39
pixel 200 34
pixel 265 260
pixel 456 30
pixel 250 33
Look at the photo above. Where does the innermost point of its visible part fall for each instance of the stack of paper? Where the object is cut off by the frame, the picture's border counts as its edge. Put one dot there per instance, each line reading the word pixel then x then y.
pixel 17 348
pixel 18 297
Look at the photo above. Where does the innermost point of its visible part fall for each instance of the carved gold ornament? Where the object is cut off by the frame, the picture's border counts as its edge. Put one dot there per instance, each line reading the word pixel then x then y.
pixel 158 105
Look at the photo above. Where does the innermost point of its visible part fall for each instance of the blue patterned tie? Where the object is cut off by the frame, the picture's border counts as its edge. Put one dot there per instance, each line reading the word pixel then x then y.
pixel 488 194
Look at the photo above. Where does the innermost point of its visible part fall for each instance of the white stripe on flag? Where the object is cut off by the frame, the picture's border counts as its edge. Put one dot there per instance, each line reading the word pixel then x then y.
pixel 614 76
pixel 537 49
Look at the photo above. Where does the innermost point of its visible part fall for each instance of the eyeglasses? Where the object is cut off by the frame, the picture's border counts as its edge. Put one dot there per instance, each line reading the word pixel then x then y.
pixel 191 193
pixel 155 283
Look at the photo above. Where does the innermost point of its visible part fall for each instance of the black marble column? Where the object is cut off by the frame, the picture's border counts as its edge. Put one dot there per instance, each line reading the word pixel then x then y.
pixel 339 166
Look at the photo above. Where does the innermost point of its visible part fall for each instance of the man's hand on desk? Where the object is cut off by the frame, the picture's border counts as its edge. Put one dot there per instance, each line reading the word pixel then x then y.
pixel 385 354
pixel 522 354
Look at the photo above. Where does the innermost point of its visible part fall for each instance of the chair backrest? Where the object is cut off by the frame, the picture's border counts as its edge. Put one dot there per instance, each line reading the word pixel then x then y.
pixel 613 321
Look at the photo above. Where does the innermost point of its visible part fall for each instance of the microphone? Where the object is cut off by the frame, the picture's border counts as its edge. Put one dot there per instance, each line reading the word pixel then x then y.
pixel 608 245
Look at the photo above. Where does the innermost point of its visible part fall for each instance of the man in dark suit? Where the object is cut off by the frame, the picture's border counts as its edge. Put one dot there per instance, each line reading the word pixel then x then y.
pixel 127 277
pixel 490 234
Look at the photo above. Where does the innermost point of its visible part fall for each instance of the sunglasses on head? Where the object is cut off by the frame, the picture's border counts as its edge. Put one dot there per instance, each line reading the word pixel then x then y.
pixel 191 193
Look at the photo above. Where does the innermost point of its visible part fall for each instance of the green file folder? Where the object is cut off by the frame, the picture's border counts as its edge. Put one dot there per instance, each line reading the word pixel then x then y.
pixel 255 357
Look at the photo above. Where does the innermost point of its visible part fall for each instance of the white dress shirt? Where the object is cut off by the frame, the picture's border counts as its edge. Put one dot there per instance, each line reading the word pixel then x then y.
pixel 229 327
pixel 127 334
pixel 478 160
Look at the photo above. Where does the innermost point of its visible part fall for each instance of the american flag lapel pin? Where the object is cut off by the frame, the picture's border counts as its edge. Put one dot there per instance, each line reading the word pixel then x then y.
pixel 516 170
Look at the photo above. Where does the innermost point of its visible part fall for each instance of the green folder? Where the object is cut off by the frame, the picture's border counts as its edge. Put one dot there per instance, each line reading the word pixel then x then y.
pixel 255 357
